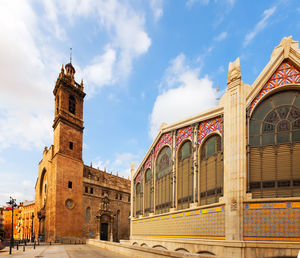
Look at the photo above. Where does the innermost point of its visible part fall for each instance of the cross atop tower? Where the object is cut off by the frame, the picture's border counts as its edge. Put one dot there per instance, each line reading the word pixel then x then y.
pixel 70 55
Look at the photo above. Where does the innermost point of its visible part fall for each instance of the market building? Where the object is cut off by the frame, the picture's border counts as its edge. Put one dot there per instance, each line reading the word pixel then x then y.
pixel 226 182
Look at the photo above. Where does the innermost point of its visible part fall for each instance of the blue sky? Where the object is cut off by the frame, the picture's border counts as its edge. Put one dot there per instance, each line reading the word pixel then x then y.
pixel 142 63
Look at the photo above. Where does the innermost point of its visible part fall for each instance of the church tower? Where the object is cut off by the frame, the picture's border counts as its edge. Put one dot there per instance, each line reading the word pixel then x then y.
pixel 67 165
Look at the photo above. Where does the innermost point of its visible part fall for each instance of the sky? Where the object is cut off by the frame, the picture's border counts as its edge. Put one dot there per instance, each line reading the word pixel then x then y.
pixel 142 63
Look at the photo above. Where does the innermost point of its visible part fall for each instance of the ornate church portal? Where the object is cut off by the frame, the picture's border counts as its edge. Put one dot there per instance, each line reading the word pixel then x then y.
pixel 105 220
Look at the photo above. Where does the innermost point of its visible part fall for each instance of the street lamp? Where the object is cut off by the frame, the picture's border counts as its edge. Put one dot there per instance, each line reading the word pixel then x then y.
pixel 12 203
pixel 32 217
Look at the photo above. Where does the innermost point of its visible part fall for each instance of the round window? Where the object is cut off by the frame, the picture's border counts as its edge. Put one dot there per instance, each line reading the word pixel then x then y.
pixel 70 204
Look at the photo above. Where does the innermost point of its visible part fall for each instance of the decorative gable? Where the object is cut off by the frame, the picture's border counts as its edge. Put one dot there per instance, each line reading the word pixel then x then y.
pixel 286 74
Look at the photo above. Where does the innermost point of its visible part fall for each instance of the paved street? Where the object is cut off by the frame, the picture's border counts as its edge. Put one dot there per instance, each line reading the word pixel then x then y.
pixel 61 251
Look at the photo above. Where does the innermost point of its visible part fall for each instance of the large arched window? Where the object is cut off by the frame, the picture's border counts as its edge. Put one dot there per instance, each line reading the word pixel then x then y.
pixel 274 147
pixel 72 104
pixel 184 176
pixel 138 209
pixel 163 189
pixel 147 192
pixel 211 170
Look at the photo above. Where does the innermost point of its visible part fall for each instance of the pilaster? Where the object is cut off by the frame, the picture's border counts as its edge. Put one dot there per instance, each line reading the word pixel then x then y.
pixel 234 152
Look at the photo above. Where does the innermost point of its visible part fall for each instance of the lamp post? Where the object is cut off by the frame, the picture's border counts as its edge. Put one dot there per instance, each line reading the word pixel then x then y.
pixel 12 204
pixel 32 217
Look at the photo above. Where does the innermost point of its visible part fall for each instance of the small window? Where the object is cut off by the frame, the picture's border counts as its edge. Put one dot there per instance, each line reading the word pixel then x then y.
pixel 102 192
pixel 120 196
pixel 116 196
pixel 86 189
pixel 57 103
pixel 70 184
pixel 71 145
pixel 128 198
pixel 92 190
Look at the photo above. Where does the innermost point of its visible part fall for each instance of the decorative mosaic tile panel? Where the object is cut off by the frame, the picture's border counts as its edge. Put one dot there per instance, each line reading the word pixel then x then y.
pixel 284 75
pixel 165 139
pixel 182 134
pixel 148 163
pixel 202 223
pixel 137 178
pixel 272 221
pixel 209 126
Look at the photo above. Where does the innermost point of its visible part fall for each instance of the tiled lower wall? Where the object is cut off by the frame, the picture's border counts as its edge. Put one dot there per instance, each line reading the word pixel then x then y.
pixel 202 223
pixel 272 221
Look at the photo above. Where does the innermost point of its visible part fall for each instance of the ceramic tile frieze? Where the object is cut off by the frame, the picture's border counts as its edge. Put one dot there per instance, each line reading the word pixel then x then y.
pixel 183 134
pixel 164 140
pixel 202 223
pixel 286 74
pixel 148 163
pixel 272 221
pixel 209 126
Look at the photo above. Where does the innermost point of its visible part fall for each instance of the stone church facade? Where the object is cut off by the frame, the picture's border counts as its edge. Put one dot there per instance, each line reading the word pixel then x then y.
pixel 74 201
pixel 226 182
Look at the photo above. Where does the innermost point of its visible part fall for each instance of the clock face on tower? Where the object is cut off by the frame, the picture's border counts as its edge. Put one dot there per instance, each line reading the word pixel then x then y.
pixel 69 204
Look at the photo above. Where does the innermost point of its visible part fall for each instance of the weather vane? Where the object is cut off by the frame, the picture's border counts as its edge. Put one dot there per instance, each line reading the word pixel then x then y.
pixel 70 55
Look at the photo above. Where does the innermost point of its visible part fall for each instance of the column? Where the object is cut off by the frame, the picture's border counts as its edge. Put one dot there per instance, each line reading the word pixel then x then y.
pixel 195 163
pixel 152 202
pixel 174 201
pixel 111 238
pixel 142 192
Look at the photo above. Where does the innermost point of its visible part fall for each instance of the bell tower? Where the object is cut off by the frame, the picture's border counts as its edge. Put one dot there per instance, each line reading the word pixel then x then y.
pixel 65 192
pixel 68 123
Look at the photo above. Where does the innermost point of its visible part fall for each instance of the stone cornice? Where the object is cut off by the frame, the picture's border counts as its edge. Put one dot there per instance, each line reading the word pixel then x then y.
pixel 59 118
pixel 65 82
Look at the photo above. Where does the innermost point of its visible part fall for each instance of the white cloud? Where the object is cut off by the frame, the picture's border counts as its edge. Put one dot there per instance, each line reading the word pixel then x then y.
pixel 121 164
pixel 182 94
pixel 25 108
pixel 260 25
pixel 190 3
pixel 10 186
pixel 124 26
pixel 221 36
pixel 30 59
pixel 157 8
pixel 100 71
